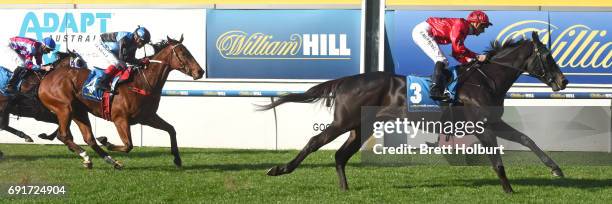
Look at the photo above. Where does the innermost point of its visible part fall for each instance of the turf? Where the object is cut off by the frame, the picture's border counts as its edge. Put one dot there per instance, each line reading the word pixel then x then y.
pixel 238 176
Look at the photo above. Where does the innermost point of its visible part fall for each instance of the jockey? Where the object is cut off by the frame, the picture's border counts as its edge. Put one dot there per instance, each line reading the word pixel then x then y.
pixel 123 46
pixel 26 50
pixel 428 34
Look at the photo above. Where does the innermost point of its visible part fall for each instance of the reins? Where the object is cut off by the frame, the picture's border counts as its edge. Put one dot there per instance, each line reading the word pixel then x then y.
pixel 144 76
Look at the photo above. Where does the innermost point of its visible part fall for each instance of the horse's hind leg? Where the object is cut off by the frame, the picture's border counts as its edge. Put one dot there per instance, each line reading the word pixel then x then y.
pixel 316 142
pixel 348 149
pixel 489 140
pixel 82 120
pixel 4 125
pixel 507 132
pixel 159 123
pixel 355 141
pixel 18 133
pixel 63 117
pixel 48 137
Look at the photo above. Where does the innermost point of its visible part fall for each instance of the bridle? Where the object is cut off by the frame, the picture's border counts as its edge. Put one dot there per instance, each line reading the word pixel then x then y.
pixel 183 65
pixel 543 75
pixel 174 53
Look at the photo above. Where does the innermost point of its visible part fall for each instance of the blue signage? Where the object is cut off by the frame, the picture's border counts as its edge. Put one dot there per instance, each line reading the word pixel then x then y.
pixel 57 25
pixel 282 44
pixel 580 42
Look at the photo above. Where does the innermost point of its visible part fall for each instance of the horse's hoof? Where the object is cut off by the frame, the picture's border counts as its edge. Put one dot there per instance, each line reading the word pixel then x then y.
pixel 274 171
pixel 88 164
pixel 118 165
pixel 178 162
pixel 45 136
pixel 102 140
pixel 29 139
pixel 508 191
pixel 431 144
pixel 558 173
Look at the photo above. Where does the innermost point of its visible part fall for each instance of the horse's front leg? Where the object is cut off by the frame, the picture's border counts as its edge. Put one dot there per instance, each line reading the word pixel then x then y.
pixel 509 133
pixel 158 123
pixel 123 128
pixel 489 140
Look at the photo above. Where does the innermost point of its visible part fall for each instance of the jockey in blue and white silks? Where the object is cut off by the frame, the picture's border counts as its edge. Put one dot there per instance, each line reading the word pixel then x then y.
pixel 113 51
pixel 123 46
pixel 25 53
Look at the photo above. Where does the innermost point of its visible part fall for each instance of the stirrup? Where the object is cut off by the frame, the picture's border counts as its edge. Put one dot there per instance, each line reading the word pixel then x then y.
pixel 442 98
pixel 103 88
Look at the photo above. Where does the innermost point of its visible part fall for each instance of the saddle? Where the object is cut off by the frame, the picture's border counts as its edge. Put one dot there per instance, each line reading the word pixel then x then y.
pixel 90 91
pixel 6 75
pixel 418 88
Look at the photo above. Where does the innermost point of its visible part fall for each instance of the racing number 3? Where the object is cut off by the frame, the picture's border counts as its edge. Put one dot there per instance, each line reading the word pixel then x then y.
pixel 417 96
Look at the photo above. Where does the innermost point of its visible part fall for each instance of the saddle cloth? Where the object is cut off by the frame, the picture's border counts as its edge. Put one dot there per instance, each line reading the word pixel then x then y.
pixel 89 86
pixel 418 92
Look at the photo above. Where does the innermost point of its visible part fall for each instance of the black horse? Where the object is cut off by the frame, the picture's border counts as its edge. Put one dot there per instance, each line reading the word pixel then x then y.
pixel 485 87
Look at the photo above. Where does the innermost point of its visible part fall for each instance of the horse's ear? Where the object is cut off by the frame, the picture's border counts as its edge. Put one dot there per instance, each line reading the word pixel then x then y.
pixel 535 37
pixel 168 38
pixel 181 40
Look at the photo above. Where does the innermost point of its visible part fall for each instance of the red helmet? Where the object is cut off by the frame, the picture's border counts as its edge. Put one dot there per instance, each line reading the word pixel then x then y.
pixel 479 17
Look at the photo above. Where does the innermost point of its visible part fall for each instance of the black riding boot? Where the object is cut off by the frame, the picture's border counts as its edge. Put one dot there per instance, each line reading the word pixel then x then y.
pixel 18 74
pixel 104 82
pixel 438 83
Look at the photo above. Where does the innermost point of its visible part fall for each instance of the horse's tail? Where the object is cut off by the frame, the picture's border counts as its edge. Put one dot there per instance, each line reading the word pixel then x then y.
pixel 325 91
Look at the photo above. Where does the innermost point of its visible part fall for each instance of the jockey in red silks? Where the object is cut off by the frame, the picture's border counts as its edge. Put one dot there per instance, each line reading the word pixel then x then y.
pixel 434 31
pixel 27 54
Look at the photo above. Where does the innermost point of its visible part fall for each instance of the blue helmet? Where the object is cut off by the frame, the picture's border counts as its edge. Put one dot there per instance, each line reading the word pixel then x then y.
pixel 49 42
pixel 143 34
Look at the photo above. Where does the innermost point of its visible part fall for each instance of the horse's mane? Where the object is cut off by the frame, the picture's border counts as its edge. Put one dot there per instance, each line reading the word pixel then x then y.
pixel 163 44
pixel 495 47
pixel 61 55
pixel 160 45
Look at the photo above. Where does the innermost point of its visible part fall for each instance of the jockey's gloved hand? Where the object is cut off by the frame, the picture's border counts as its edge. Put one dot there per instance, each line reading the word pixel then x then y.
pixel 481 58
pixel 145 61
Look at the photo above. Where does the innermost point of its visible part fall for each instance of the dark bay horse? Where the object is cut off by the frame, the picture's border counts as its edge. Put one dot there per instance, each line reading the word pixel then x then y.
pixel 61 92
pixel 349 94
pixel 25 103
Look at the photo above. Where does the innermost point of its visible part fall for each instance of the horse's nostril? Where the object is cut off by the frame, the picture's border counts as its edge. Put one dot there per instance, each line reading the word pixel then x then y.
pixel 565 82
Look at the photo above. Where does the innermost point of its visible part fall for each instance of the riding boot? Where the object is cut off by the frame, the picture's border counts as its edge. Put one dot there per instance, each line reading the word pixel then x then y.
pixel 11 88
pixel 438 83
pixel 104 82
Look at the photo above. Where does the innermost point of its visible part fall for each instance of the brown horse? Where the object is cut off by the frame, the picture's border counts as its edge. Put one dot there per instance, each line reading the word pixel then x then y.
pixel 61 92
pixel 25 103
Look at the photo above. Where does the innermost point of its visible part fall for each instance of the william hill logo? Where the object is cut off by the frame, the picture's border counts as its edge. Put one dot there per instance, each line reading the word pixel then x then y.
pixel 241 45
pixel 576 46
